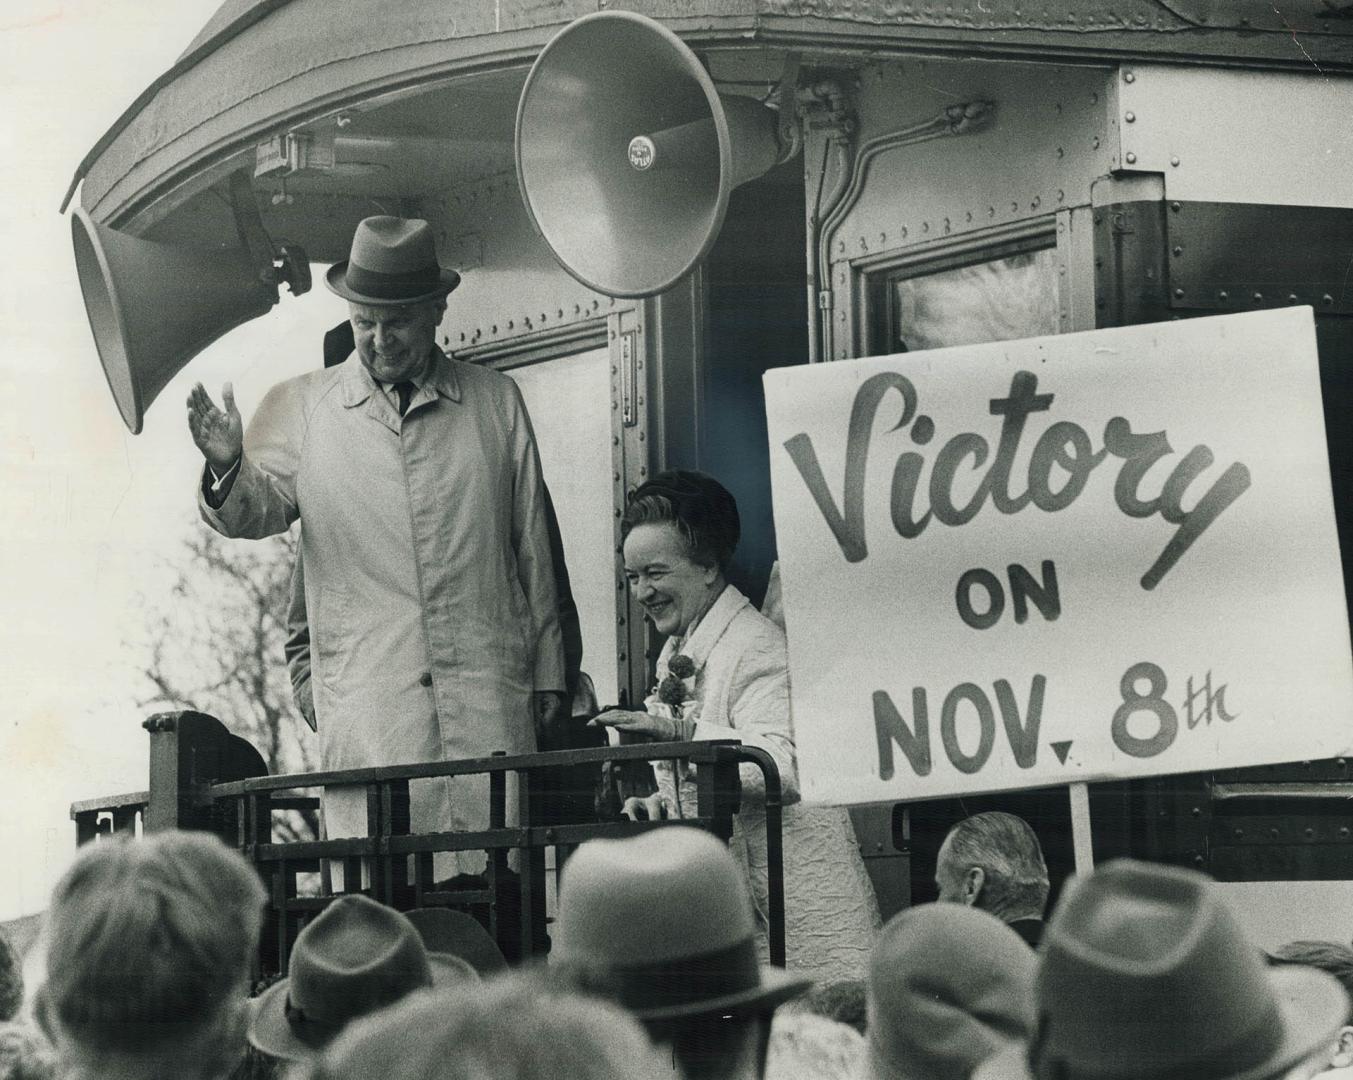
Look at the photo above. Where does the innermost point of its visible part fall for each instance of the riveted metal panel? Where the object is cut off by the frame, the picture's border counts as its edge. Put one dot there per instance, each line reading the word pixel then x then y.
pixel 1245 136
pixel 1038 153
pixel 512 287
pixel 1311 772
pixel 1242 257
pixel 1131 284
pixel 1291 16
pixel 632 332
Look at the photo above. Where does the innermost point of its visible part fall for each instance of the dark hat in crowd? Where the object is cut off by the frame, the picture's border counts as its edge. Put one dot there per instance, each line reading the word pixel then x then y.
pixel 393 261
pixel 457 933
pixel 1145 973
pixel 949 985
pixel 355 958
pixel 662 923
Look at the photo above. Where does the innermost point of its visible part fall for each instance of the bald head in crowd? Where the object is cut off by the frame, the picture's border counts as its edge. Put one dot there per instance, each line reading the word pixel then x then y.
pixel 151 947
pixel 993 862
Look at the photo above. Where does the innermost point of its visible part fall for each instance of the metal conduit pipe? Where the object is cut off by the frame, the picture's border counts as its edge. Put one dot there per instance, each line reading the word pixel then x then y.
pixel 839 141
pixel 954 120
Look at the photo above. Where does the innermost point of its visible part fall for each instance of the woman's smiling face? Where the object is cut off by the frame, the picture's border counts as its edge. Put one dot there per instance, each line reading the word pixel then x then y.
pixel 673 590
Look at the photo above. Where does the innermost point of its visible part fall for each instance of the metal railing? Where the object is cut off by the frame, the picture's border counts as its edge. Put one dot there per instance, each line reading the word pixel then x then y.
pixel 203 777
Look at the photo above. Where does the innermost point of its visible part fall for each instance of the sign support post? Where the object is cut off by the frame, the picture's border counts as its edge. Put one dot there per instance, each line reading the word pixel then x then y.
pixel 1080 827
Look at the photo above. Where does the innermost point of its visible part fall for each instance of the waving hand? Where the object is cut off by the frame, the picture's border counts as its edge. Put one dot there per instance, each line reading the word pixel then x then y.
pixel 219 433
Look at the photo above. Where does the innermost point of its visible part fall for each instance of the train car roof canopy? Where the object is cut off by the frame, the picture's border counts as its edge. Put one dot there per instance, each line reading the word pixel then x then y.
pixel 259 67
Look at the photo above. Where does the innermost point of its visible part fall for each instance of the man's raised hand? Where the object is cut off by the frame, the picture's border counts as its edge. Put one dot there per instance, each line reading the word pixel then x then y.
pixel 219 433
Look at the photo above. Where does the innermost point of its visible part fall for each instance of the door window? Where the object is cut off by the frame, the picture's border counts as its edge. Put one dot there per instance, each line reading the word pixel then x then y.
pixel 998 299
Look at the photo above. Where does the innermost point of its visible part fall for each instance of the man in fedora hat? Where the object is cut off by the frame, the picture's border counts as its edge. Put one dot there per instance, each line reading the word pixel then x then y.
pixel 662 923
pixel 949 985
pixel 1145 973
pixel 429 581
pixel 355 958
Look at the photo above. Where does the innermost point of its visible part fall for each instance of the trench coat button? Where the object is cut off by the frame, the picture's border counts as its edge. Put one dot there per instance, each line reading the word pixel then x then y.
pixel 425 679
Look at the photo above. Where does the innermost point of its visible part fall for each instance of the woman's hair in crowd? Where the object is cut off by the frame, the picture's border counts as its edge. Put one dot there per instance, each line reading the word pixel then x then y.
pixel 700 508
pixel 151 939
pixel 515 1027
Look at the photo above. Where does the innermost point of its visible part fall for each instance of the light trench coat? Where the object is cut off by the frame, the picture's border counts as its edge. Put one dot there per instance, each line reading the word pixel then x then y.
pixel 741 691
pixel 429 585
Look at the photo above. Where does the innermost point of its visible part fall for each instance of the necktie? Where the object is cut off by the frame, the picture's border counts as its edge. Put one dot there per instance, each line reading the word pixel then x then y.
pixel 405 392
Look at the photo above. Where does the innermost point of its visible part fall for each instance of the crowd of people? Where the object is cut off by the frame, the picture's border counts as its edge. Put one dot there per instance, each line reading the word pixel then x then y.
pixel 1141 972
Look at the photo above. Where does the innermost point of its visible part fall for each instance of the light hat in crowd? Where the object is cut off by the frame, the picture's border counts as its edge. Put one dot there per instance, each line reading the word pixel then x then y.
pixel 662 924
pixel 354 958
pixel 949 985
pixel 393 261
pixel 1145 973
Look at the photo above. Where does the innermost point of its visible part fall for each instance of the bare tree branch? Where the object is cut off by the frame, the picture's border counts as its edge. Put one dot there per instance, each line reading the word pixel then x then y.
pixel 215 644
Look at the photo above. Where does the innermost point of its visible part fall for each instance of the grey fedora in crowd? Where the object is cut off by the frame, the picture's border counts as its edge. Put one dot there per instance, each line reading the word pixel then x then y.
pixel 354 958
pixel 393 261
pixel 1145 973
pixel 662 924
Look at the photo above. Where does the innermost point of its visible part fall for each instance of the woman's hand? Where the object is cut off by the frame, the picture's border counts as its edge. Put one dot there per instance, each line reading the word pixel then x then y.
pixel 646 725
pixel 648 808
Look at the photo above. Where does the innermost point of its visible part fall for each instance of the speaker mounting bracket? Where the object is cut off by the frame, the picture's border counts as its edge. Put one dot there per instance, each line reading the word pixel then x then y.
pixel 784 100
pixel 277 263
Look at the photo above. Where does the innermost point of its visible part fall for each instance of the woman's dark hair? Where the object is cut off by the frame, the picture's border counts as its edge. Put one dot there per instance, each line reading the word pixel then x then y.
pixel 703 511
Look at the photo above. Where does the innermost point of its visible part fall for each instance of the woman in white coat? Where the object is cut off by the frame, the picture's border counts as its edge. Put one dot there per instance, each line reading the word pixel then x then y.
pixel 723 674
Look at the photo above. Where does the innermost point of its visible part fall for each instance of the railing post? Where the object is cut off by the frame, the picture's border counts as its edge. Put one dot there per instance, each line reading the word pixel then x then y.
pixel 189 751
pixel 529 798
pixel 719 793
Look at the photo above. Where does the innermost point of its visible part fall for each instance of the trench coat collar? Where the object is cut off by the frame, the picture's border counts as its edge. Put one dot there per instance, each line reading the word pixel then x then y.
pixel 439 378
pixel 702 638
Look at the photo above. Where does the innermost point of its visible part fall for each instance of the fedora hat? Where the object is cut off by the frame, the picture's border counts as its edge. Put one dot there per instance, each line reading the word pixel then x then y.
pixel 662 923
pixel 393 261
pixel 354 958
pixel 458 933
pixel 949 985
pixel 1145 973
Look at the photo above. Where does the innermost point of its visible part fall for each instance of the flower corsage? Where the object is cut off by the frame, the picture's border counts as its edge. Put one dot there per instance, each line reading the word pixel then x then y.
pixel 673 698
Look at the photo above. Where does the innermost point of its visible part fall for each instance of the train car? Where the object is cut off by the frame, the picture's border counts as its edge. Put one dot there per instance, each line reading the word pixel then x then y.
pixel 851 179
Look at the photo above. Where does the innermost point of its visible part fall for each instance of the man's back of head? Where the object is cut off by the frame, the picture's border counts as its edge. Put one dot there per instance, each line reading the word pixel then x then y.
pixel 1335 959
pixel 516 1027
pixel 151 943
pixel 993 861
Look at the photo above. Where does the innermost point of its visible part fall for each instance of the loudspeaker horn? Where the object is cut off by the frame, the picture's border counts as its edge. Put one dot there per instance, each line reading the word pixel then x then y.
pixel 153 307
pixel 626 153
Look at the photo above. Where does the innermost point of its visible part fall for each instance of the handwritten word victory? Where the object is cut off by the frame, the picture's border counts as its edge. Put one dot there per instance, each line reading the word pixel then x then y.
pixel 1064 445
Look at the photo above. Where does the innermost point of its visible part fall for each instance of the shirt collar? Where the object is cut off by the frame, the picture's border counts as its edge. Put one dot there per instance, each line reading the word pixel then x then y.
pixel 439 377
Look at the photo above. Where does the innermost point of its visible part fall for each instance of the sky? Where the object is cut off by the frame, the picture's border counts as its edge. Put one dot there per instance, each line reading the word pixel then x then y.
pixel 92 514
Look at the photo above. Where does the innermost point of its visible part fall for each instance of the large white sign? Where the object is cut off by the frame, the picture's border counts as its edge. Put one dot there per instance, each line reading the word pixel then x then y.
pixel 1079 557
